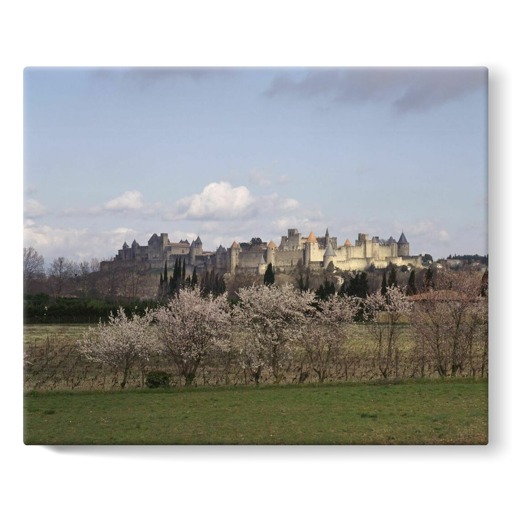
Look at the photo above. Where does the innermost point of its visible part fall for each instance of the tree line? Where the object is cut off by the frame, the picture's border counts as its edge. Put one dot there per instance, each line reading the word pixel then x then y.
pixel 68 278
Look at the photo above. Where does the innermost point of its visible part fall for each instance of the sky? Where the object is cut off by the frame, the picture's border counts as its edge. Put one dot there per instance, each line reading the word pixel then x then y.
pixel 117 154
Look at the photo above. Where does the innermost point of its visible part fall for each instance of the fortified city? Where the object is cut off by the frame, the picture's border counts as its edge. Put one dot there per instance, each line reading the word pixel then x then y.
pixel 254 256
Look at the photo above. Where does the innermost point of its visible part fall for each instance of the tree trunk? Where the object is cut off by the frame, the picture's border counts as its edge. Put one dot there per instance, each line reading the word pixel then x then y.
pixel 125 377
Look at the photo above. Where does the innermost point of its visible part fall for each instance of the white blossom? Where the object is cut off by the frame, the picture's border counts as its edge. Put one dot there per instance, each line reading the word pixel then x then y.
pixel 190 327
pixel 121 342
pixel 273 316
pixel 383 314
pixel 327 331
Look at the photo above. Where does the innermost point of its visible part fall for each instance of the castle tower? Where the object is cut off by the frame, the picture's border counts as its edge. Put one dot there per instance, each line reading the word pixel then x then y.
pixel 155 251
pixel 403 246
pixel 346 250
pixel 262 266
pixel 199 246
pixel 234 253
pixel 196 249
pixel 221 258
pixel 329 255
pixel 135 250
pixel 271 253
pixel 310 245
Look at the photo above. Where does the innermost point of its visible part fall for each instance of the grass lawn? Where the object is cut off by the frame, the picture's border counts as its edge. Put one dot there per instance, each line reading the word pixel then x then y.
pixel 412 412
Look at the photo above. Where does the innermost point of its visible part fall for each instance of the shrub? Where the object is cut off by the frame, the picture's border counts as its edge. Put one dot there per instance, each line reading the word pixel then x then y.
pixel 158 379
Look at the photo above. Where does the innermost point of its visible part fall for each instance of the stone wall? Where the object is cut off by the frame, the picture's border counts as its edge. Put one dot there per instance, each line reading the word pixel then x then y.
pixel 288 259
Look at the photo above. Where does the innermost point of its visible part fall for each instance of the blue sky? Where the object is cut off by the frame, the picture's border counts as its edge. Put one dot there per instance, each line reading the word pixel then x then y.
pixel 116 154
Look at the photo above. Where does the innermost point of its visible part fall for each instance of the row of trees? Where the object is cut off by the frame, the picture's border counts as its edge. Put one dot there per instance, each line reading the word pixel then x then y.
pixel 270 330
pixel 68 278
pixel 60 276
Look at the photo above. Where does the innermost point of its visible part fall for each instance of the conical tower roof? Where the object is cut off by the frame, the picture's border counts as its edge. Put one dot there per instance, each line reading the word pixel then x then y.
pixel 235 245
pixel 402 239
pixel 312 238
pixel 329 251
pixel 272 245
pixel 347 243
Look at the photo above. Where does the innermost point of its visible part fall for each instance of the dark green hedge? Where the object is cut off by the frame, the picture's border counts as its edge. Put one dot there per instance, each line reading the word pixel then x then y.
pixel 42 308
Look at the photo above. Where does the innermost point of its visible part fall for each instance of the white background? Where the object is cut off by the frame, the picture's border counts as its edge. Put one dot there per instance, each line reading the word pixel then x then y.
pixel 262 33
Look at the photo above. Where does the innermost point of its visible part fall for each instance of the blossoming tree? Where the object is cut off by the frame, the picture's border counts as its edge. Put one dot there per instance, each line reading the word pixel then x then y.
pixel 121 342
pixel 327 332
pixel 451 325
pixel 191 327
pixel 273 316
pixel 383 314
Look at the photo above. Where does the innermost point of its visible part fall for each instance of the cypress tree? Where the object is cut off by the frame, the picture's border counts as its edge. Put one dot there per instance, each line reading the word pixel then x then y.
pixel 353 286
pixel 269 277
pixel 205 284
pixel 325 290
pixel 176 272
pixel 384 285
pixel 320 293
pixel 161 286
pixel 358 286
pixel 194 278
pixel 363 285
pixel 220 286
pixel 411 285
pixel 428 281
pixel 392 277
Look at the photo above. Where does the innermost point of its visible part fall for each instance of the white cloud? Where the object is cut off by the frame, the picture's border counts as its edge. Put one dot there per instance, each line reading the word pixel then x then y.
pixel 260 178
pixel 288 204
pixel 303 221
pixel 75 244
pixel 216 201
pixel 267 179
pixel 283 179
pixel 34 208
pixel 130 200
pixel 222 201
pixel 444 235
pixel 421 228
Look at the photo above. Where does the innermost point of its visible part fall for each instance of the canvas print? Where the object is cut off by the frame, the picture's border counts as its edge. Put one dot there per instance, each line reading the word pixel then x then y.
pixel 241 256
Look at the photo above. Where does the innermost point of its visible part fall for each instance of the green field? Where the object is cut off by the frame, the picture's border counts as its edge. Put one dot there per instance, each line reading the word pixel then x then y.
pixel 411 412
